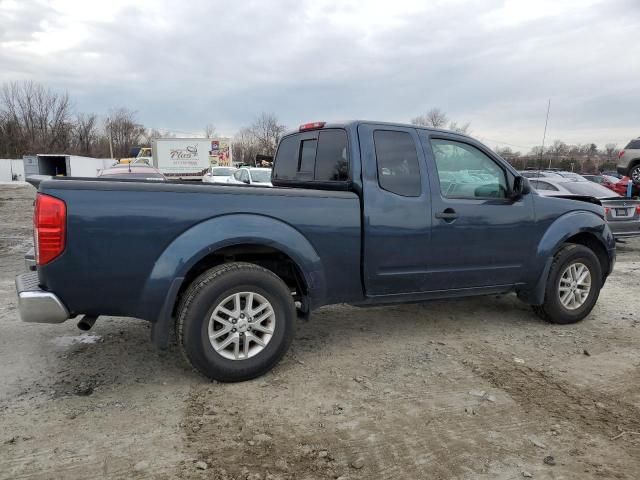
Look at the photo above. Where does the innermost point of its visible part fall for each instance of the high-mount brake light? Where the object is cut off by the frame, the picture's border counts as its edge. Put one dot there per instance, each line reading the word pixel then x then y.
pixel 49 227
pixel 311 126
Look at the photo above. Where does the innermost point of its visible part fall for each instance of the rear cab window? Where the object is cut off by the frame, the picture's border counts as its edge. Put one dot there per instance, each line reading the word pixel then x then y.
pixel 319 156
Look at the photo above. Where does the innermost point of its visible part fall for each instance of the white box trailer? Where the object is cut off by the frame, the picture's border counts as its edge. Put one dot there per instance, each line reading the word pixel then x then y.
pixel 65 165
pixel 190 158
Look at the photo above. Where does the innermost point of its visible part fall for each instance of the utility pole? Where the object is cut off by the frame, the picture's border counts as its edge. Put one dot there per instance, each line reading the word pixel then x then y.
pixel 110 142
pixel 544 135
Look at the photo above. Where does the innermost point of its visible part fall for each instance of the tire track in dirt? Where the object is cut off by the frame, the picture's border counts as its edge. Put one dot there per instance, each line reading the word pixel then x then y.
pixel 594 417
pixel 533 389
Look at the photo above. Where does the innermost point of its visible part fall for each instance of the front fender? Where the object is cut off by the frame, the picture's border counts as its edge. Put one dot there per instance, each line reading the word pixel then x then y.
pixel 563 228
pixel 234 229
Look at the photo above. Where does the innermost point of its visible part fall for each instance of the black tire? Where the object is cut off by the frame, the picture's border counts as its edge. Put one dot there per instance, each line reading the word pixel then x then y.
pixel 634 174
pixel 552 310
pixel 198 303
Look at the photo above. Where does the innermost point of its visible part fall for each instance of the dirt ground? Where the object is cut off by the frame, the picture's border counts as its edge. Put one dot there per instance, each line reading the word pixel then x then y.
pixel 466 389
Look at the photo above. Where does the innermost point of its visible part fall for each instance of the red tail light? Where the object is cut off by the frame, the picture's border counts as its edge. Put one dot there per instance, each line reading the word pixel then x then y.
pixel 620 153
pixel 311 126
pixel 638 209
pixel 607 210
pixel 49 226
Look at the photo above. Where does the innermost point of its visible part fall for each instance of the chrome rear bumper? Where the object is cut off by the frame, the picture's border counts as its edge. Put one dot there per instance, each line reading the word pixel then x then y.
pixel 37 305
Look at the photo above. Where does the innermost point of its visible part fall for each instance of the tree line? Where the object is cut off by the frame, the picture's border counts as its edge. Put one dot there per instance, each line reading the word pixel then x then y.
pixel 584 158
pixel 581 158
pixel 35 119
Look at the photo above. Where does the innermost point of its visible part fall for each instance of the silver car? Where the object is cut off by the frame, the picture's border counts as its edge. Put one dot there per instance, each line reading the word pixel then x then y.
pixel 622 214
pixel 252 176
pixel 629 160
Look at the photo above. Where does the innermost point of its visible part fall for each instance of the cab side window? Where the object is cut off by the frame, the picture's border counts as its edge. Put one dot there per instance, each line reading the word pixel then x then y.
pixel 397 160
pixel 465 171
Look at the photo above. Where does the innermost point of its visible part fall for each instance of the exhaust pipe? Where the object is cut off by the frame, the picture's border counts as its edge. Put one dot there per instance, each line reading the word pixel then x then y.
pixel 86 323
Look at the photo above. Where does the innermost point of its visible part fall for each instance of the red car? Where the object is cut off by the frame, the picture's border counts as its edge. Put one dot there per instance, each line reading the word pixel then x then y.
pixel 604 180
pixel 621 187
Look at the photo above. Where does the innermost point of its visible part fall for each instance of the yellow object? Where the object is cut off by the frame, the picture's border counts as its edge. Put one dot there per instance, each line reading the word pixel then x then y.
pixel 143 155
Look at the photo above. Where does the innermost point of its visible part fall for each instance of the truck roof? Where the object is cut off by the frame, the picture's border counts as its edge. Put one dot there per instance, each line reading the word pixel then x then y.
pixel 346 124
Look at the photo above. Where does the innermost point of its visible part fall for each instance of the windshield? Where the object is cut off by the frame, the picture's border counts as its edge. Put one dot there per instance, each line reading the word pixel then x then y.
pixel 572 176
pixel 223 171
pixel 261 176
pixel 589 188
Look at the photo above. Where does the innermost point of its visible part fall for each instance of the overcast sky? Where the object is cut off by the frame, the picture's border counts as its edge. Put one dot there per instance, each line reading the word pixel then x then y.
pixel 183 64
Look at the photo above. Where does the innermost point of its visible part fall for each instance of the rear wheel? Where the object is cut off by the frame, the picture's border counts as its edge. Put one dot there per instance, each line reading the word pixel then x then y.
pixel 235 322
pixel 573 286
pixel 634 174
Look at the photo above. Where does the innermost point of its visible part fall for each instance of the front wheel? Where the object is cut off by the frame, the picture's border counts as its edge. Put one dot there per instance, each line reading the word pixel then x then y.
pixel 235 322
pixel 634 174
pixel 573 286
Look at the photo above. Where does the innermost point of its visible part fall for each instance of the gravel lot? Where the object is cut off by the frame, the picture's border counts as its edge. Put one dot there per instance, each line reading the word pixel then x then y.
pixel 476 388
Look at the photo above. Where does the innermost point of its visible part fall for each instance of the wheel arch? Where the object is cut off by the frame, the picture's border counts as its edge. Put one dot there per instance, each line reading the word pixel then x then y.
pixel 579 227
pixel 258 239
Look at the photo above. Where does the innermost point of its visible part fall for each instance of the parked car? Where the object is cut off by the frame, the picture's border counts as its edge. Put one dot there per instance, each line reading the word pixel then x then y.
pixel 251 176
pixel 363 213
pixel 622 214
pixel 539 174
pixel 611 173
pixel 219 174
pixel 629 160
pixel 622 187
pixel 139 171
pixel 576 177
pixel 604 180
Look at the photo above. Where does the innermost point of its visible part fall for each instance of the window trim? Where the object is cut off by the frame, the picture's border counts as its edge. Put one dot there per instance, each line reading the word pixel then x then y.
pixel 415 145
pixel 315 155
pixel 502 167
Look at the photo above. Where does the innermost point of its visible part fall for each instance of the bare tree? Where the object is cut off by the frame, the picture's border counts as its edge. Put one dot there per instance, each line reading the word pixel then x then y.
pixel 435 118
pixel 151 134
pixel 558 149
pixel 40 119
pixel 124 131
pixel 464 128
pixel 245 146
pixel 85 133
pixel 609 150
pixel 209 130
pixel 267 132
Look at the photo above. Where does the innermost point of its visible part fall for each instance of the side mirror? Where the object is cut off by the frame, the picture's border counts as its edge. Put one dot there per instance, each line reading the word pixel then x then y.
pixel 520 187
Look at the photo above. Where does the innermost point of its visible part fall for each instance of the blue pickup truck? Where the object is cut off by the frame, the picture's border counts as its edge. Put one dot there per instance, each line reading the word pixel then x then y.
pixel 363 213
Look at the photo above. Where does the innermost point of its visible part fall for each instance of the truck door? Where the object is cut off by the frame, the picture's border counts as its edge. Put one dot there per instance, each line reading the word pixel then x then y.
pixel 479 236
pixel 396 210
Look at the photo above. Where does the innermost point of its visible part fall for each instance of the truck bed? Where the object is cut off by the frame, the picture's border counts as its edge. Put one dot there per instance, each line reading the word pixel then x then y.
pixel 113 261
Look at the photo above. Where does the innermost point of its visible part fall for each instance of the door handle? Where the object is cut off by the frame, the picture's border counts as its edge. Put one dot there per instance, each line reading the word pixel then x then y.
pixel 448 215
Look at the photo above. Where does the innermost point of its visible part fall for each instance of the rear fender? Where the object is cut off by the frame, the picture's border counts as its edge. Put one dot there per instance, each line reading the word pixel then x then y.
pixel 165 281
